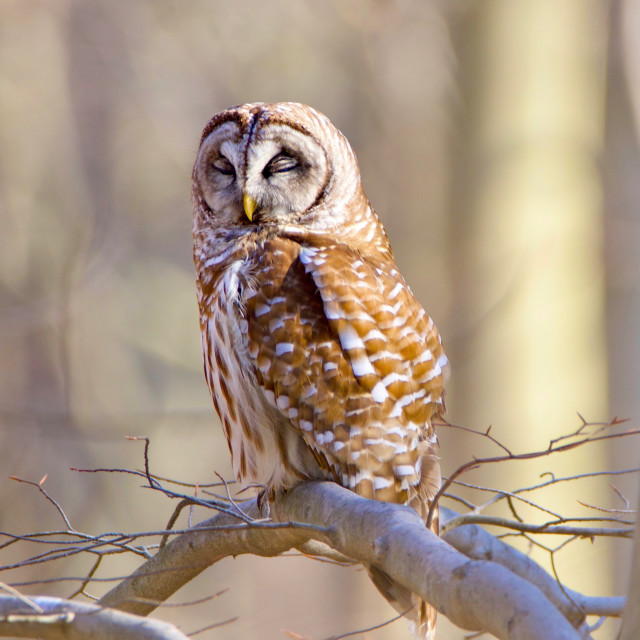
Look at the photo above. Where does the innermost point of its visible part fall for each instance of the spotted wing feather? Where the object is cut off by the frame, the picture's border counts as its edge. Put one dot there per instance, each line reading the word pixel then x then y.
pixel 343 349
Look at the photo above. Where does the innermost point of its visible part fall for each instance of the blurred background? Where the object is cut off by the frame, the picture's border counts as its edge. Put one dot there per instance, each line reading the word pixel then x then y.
pixel 498 141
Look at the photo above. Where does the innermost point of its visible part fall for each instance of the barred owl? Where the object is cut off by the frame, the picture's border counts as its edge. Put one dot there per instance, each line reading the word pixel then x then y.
pixel 320 361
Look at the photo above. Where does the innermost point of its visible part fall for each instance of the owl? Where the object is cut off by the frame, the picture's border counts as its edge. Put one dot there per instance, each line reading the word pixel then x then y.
pixel 321 363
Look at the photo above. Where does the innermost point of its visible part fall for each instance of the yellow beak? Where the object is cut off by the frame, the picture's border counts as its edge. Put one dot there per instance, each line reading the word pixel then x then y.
pixel 250 206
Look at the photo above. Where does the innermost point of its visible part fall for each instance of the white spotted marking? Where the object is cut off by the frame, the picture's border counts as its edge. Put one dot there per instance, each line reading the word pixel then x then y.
pixel 404 470
pixel 283 402
pixel 330 366
pixel 396 412
pixel 359 315
pixel 307 254
pixel 283 347
pixel 381 483
pixel 361 366
pixel 324 438
pixel 431 374
pixel 396 291
pixel 381 355
pixel 359 226
pixel 443 361
pixel 398 321
pixel 349 338
pixel 305 425
pixel 333 312
pixel 379 392
pixel 261 309
pixel 410 397
pixel 275 323
pixel 361 474
pixel 394 377
pixel 374 334
pixel 309 391
pixel 425 356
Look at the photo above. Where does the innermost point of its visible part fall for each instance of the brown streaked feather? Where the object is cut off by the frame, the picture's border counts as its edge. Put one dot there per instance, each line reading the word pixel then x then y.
pixel 357 377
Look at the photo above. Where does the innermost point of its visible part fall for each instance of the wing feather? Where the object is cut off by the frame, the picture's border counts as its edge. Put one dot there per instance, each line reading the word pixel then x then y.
pixel 351 359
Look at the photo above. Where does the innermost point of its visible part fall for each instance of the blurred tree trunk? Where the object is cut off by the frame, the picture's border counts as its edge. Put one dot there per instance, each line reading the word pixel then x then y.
pixel 622 232
pixel 527 237
pixel 631 620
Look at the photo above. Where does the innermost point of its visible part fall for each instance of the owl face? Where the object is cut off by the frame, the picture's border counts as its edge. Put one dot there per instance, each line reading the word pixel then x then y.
pixel 267 173
pixel 275 164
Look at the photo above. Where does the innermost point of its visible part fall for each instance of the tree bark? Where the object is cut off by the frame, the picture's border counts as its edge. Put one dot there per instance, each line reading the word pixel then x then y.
pixel 474 594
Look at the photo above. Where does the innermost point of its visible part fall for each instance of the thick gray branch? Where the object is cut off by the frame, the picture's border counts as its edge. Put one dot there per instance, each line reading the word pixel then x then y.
pixel 479 544
pixel 56 619
pixel 186 556
pixel 473 592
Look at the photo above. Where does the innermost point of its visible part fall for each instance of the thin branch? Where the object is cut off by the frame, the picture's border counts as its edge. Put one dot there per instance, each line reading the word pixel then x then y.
pixel 386 623
pixel 554 447
pixel 519 525
pixel 215 625
pixel 477 543
pixel 41 489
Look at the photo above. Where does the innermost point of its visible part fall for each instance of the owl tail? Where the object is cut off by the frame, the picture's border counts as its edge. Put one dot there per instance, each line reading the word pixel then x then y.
pixel 420 614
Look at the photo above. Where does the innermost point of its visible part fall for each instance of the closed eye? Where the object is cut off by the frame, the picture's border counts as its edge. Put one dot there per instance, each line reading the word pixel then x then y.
pixel 223 165
pixel 280 164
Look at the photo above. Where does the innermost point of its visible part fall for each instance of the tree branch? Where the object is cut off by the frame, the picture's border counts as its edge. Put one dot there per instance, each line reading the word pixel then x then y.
pixel 474 593
pixel 476 543
pixel 57 619
pixel 187 555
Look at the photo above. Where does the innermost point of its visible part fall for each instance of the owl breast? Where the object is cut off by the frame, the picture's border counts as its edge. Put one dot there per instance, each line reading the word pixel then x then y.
pixel 265 448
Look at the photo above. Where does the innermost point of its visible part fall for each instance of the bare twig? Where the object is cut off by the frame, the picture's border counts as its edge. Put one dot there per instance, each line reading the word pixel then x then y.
pixel 554 447
pixel 386 623
pixel 39 486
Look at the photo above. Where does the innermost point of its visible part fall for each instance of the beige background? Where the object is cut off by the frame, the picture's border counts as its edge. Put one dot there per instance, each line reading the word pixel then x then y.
pixel 497 141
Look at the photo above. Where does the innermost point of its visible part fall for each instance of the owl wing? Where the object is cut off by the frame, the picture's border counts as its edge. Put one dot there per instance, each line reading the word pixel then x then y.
pixel 346 353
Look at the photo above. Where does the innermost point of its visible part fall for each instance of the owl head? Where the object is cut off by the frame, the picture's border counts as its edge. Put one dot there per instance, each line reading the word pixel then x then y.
pixel 280 165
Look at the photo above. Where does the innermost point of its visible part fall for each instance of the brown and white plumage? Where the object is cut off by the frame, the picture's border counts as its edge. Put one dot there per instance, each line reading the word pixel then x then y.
pixel 320 361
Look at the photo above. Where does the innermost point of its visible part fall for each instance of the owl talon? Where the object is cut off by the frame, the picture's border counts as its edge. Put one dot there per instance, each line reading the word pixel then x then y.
pixel 264 500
